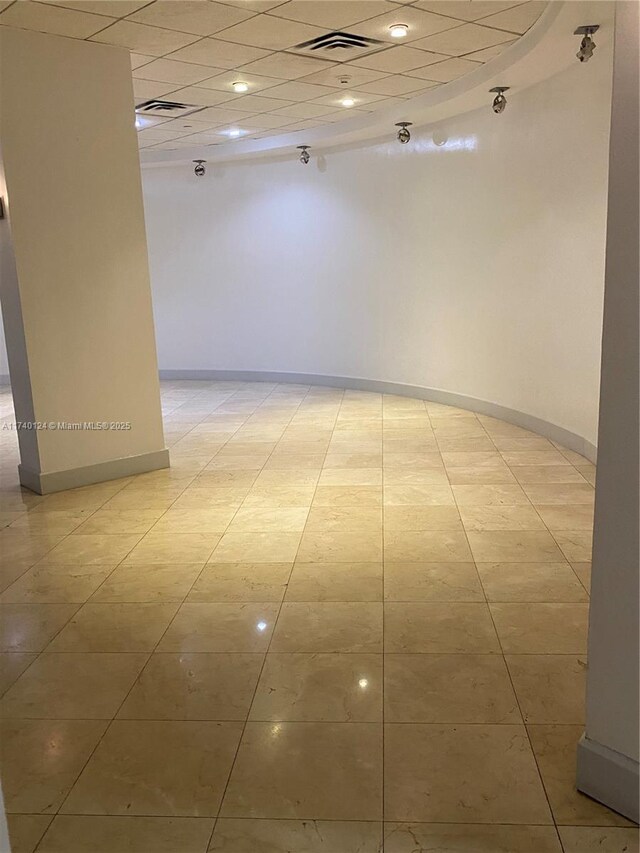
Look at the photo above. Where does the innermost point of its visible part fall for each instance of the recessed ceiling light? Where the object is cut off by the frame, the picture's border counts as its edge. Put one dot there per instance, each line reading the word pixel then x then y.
pixel 398 31
pixel 239 86
pixel 347 102
pixel 233 132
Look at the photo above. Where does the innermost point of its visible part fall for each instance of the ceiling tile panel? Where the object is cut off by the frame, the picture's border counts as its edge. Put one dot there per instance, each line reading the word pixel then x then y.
pixel 111 8
pixel 467 10
pixel 305 110
pixel 451 69
pixel 143 39
pixel 299 91
pixel 191 16
pixel 219 54
pixel 139 59
pixel 464 39
pixel 488 53
pixel 394 60
pixel 361 99
pixel 396 84
pixel 255 5
pixel 52 19
pixel 332 15
pixel 287 66
pixel 257 104
pixel 172 71
pixel 332 76
pixel 201 97
pixel 517 20
pixel 144 90
pixel 270 33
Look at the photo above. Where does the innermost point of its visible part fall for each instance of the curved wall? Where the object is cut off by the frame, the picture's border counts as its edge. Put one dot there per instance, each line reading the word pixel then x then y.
pixel 475 266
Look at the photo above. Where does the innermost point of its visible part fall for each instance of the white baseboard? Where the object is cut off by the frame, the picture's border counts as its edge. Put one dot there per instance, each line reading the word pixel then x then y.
pixel 72 478
pixel 556 433
pixel 608 777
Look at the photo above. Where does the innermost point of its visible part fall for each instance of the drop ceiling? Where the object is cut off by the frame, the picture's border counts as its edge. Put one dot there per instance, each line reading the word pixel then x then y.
pixel 193 51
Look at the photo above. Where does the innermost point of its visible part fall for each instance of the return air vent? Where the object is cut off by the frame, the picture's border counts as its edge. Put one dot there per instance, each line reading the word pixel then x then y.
pixel 166 109
pixel 339 46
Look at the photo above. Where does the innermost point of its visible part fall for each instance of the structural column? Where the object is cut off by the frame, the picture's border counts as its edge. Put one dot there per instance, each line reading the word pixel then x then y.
pixel 608 752
pixel 74 276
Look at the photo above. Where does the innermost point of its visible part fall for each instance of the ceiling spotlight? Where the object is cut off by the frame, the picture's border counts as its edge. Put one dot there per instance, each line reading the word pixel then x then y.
pixel 587 45
pixel 240 87
pixel 234 132
pixel 403 134
pixel 304 154
pixel 398 31
pixel 499 102
pixel 347 102
pixel 199 170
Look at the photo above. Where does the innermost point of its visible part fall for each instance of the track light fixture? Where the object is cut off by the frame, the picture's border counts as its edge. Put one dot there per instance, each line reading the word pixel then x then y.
pixel 200 169
pixel 403 134
pixel 499 102
pixel 587 45
pixel 304 154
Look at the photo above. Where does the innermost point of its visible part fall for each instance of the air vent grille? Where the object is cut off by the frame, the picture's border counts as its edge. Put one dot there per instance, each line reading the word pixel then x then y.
pixel 166 109
pixel 339 46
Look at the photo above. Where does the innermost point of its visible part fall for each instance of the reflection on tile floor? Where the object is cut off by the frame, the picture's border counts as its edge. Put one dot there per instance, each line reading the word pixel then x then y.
pixel 340 623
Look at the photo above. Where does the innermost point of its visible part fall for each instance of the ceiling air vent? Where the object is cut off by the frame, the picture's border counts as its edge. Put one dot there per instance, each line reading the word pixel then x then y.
pixel 339 46
pixel 166 109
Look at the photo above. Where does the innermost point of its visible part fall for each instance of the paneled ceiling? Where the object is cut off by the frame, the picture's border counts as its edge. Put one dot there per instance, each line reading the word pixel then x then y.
pixel 193 51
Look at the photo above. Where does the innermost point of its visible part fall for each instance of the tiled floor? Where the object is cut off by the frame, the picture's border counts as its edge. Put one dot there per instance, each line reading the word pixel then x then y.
pixel 340 623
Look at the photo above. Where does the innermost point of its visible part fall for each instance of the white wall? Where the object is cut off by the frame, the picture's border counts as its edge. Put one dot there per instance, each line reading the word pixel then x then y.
pixel 476 267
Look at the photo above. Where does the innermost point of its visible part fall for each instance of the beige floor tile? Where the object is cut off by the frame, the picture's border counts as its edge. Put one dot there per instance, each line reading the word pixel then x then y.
pixel 191 520
pixel 352 459
pixel 279 496
pixel 588 472
pixel 335 582
pixel 506 494
pixel 462 774
pixel 519 517
pixel 174 548
pixel 227 479
pixel 194 687
pixel 416 581
pixel 257 548
pixel 41 760
pixel 473 459
pixel 54 521
pixel 79 833
pixel 235 835
pixel 329 627
pixel 555 750
pixel 583 571
pixel 544 494
pixel 506 442
pixel 26 830
pixel 401 476
pixel 73 686
pixel 546 474
pixel 287 477
pixel 319 688
pixel 470 475
pixel 542 628
pixel 116 521
pixel 426 546
pixel 211 497
pixel 587 839
pixel 12 665
pixel 448 689
pixel 469 838
pixel 516 458
pixel 567 517
pixel 513 546
pixel 522 582
pixel 344 519
pixel 114 628
pixel 418 495
pixel 90 550
pixel 288 770
pixel 221 627
pixel 351 477
pixel 241 582
pixel 156 582
pixel 328 547
pixel 228 462
pixel 269 519
pixel 157 768
pixel 550 688
pixel 52 584
pixel 472 443
pixel 407 518
pixel 575 545
pixel 30 627
pixel 439 628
